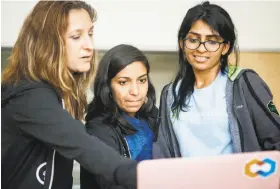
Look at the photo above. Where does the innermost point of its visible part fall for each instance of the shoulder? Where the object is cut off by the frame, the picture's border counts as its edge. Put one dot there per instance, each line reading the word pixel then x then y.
pixel 167 86
pixel 239 73
pixel 104 131
pixel 99 126
pixel 248 78
pixel 254 79
pixel 166 89
pixel 251 83
pixel 28 92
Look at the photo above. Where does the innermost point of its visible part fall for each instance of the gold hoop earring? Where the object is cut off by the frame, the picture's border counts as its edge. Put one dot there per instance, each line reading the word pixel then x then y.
pixel 146 100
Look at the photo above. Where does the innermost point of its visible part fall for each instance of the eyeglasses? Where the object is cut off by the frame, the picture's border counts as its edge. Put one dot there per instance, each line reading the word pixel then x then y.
pixel 210 45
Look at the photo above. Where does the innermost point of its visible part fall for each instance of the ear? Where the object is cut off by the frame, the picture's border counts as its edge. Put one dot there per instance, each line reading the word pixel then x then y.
pixel 181 42
pixel 225 48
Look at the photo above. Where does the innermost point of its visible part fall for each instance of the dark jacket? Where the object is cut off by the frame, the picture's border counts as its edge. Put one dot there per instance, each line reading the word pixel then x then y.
pixel 113 135
pixel 254 126
pixel 40 140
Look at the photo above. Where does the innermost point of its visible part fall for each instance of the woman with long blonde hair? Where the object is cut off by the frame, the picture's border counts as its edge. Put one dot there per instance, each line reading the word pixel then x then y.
pixel 44 99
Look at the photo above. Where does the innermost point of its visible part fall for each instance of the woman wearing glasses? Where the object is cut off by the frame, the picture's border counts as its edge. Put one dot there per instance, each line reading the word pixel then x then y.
pixel 213 107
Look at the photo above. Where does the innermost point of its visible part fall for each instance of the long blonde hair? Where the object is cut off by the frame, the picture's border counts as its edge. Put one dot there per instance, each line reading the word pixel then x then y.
pixel 39 53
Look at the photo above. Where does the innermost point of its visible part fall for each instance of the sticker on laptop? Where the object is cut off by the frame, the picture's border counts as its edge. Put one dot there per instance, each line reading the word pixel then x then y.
pixel 260 168
pixel 272 108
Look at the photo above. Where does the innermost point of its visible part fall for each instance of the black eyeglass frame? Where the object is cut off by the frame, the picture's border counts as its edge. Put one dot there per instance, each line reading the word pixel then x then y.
pixel 184 40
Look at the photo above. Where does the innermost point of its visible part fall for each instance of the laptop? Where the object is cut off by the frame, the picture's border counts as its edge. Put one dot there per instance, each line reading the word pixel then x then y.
pixel 254 170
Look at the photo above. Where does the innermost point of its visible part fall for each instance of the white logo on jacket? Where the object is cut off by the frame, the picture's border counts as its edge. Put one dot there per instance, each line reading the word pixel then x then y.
pixel 41 173
pixel 239 106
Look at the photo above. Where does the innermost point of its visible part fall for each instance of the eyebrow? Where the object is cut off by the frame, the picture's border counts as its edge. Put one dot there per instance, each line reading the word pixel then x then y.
pixel 129 78
pixel 213 35
pixel 80 30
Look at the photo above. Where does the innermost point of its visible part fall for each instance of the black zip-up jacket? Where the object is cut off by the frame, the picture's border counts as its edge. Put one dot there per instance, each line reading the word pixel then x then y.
pixel 40 140
pixel 114 137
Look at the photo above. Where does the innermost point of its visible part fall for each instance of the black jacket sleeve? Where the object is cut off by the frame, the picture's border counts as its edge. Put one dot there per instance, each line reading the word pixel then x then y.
pixel 264 114
pixel 166 144
pixel 161 145
pixel 38 113
pixel 106 134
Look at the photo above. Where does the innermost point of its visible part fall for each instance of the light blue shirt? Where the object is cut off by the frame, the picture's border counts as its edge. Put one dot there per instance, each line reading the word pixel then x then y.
pixel 204 129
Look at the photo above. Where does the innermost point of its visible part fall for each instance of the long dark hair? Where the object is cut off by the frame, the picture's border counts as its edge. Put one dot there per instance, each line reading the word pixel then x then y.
pixel 219 20
pixel 110 65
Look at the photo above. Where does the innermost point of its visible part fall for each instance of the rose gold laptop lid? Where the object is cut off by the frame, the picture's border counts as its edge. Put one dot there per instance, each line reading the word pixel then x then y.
pixel 256 170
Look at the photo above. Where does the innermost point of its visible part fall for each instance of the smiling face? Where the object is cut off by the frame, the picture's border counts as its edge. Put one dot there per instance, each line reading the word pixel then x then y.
pixel 200 58
pixel 79 41
pixel 129 88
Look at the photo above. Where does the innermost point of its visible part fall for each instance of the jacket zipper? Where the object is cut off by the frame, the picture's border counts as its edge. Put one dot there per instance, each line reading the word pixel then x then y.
pixel 171 149
pixel 53 156
pixel 52 170
pixel 241 135
pixel 127 147
pixel 239 126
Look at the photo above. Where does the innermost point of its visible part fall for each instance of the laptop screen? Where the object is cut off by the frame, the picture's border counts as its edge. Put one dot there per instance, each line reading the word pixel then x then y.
pixel 255 170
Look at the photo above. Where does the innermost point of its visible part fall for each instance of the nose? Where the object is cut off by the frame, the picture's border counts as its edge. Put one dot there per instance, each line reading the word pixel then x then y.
pixel 201 47
pixel 88 43
pixel 134 89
